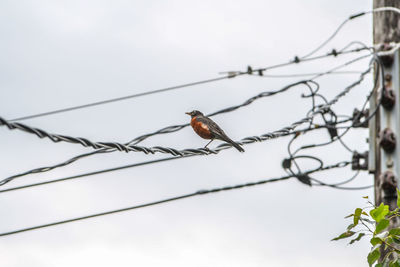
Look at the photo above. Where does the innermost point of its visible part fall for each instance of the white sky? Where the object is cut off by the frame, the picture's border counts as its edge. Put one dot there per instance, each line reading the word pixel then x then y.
pixel 57 54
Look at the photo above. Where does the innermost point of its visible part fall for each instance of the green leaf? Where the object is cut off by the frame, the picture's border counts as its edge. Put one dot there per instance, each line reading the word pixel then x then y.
pixel 373 256
pixel 348 216
pixel 398 197
pixel 375 240
pixel 364 213
pixel 360 235
pixel 379 265
pixel 380 212
pixel 357 214
pixel 382 225
pixel 344 235
pixel 366 197
pixel 394 263
pixel 394 231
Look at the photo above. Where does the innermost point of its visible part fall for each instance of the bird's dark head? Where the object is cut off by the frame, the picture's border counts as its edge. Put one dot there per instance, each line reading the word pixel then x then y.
pixel 194 113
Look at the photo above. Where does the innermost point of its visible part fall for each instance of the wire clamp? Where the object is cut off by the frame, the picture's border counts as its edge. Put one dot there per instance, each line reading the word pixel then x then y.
pixel 359 161
pixel 360 118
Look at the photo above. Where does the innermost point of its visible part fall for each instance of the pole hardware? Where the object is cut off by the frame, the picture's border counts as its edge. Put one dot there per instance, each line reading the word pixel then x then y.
pixel 359 161
pixel 387 140
pixel 359 118
pixel 388 183
pixel 388 96
pixel 387 60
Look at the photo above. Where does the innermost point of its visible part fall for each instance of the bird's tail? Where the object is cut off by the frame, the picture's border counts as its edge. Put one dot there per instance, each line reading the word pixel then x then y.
pixel 233 143
pixel 237 146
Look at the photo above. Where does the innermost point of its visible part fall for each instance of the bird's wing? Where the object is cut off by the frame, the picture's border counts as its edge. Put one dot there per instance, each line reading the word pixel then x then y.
pixel 212 125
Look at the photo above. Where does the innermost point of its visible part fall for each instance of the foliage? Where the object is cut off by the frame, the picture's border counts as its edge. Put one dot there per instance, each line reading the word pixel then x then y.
pixel 375 224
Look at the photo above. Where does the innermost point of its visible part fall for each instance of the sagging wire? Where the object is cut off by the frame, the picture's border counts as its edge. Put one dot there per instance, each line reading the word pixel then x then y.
pixel 332 128
pixel 117 146
pixel 197 193
pixel 82 175
pixel 229 75
pixel 324 43
pixel 334 52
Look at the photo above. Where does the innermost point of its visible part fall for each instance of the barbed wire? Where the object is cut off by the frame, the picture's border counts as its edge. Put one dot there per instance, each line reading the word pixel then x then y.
pixel 82 175
pixel 304 177
pixel 201 151
pixel 174 128
pixel 339 28
pixel 228 76
pixel 165 130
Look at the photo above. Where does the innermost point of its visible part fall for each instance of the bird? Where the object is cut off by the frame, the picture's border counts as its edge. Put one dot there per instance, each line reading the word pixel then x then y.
pixel 208 129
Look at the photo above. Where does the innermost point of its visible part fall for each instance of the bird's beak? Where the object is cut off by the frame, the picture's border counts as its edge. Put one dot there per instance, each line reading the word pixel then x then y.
pixel 187 113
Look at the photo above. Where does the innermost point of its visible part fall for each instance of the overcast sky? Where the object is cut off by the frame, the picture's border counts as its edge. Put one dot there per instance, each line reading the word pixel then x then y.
pixel 56 54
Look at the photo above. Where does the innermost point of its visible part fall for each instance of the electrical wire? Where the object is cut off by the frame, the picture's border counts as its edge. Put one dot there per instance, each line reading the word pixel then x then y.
pixel 197 193
pixel 294 75
pixel 165 130
pixel 324 43
pixel 229 76
pixel 117 99
pixel 174 128
pixel 82 175
pixel 91 173
pixel 327 40
pixel 127 148
pixel 332 128
pixel 302 176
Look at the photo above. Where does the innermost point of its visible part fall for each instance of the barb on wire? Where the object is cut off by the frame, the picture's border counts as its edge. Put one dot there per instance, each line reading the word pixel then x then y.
pixel 228 76
pixel 282 132
pixel 197 193
pixel 169 129
pixel 82 175
pixel 324 43
pixel 261 71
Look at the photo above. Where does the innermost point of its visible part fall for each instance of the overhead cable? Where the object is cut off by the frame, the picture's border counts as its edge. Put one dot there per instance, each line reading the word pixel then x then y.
pixel 197 193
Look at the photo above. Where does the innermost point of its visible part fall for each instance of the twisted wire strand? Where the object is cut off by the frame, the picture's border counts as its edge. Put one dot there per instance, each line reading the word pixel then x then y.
pixel 200 151
pixel 197 193
pixel 165 130
pixel 174 128
pixel 82 175
pixel 132 147
pixel 126 148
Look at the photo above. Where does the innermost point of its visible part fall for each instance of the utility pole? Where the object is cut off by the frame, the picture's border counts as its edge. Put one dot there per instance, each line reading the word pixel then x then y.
pixel 384 155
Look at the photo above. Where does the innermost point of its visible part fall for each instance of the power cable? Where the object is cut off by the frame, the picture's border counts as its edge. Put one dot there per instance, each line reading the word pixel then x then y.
pixel 171 129
pixel 82 175
pixel 91 173
pixel 229 76
pixel 197 193
pixel 294 75
pixel 381 9
pixel 127 148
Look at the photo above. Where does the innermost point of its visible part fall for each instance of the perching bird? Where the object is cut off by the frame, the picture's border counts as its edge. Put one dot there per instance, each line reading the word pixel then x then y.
pixel 208 129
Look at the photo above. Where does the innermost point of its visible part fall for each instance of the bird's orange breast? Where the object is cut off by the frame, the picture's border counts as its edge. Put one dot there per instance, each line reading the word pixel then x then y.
pixel 201 128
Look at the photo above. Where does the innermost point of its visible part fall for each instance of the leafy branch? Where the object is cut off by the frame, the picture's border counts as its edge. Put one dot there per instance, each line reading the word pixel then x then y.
pixel 374 221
